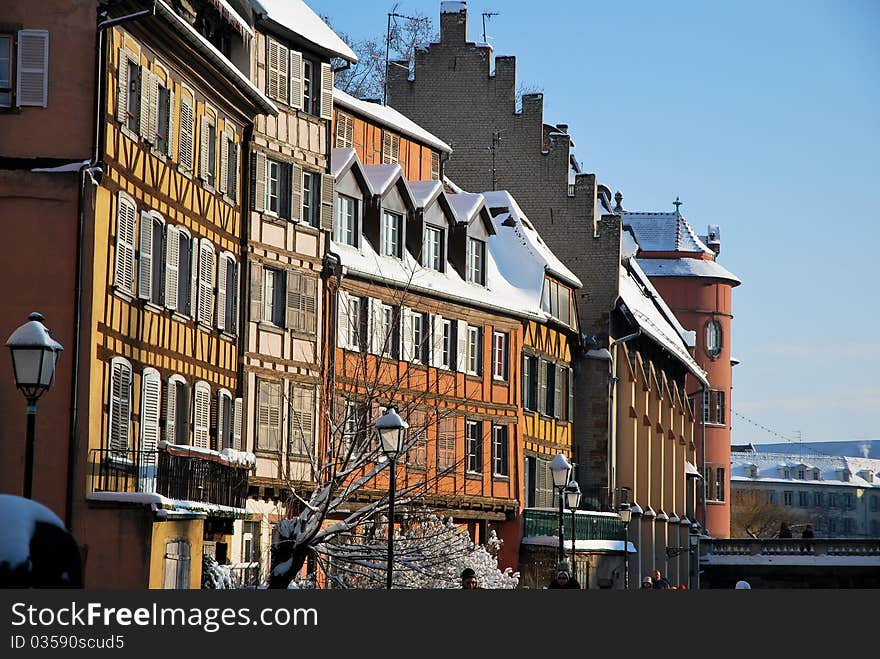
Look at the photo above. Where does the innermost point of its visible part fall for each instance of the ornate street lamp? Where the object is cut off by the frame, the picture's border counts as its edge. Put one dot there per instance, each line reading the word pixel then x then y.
pixel 560 467
pixel 625 517
pixel 392 436
pixel 573 499
pixel 34 355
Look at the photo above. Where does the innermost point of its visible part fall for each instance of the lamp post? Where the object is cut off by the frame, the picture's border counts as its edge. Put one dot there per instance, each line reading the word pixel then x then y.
pixel 625 517
pixel 573 498
pixel 560 467
pixel 392 434
pixel 34 355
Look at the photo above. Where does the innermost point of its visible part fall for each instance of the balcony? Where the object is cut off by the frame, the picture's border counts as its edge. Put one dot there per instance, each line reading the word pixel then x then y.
pixel 590 525
pixel 178 473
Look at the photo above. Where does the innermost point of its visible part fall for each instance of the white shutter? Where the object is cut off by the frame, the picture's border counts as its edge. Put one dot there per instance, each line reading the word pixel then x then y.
pixel 171 411
pixel 145 262
pixel 222 264
pixel 144 123
pixel 193 311
pixel 151 390
pixel 377 340
pixel 259 181
pixel 273 48
pixel 224 161
pixel 125 231
pixel 172 265
pixel 153 97
pixel 436 340
pixel 122 87
pixel 120 406
pixel 461 337
pixel 326 91
pixel 342 324
pixel 202 415
pixel 204 140
pixel 187 133
pixel 169 128
pixel 32 88
pixel 296 79
pixel 236 424
pixel 296 186
pixel 221 420
pixel 406 332
pixel 206 282
pixel 236 295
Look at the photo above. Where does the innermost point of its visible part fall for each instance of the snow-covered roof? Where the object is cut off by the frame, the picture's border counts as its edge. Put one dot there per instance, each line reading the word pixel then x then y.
pixel 340 159
pixel 466 206
pixel 663 232
pixel 388 116
pixel 19 517
pixel 227 12
pixel 450 7
pixel 830 468
pixel 297 17
pixel 687 268
pixel 382 177
pixel 580 545
pixel 425 192
pixel 655 318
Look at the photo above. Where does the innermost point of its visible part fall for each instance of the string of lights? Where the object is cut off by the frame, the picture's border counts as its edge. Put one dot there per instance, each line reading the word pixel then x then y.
pixel 795 441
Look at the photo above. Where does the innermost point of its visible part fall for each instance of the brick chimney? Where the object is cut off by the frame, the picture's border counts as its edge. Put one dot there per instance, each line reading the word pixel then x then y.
pixel 453 22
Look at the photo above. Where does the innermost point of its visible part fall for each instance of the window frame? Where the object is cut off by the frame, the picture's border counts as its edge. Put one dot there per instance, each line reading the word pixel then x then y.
pixel 500 450
pixel 473 446
pixel 345 226
pixel 10 90
pixel 305 436
pixel 714 338
pixel 476 261
pixel 391 242
pixel 274 309
pixel 433 256
pixel 474 364
pixel 311 203
pixel 500 352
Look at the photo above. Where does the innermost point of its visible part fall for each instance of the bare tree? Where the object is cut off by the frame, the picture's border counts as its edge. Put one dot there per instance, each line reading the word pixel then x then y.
pixel 753 515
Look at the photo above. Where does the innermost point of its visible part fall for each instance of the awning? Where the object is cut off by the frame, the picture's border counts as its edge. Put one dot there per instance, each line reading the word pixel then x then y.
pixel 691 471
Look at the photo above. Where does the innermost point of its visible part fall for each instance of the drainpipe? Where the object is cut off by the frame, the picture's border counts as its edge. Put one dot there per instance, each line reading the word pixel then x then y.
pixel 703 444
pixel 612 440
pixel 244 304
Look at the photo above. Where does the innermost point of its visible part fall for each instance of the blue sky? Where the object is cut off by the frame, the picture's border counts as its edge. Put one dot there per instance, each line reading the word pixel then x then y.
pixel 764 117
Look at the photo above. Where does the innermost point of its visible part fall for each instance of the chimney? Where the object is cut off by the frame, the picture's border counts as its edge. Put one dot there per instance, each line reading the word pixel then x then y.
pixel 563 128
pixel 713 238
pixel 453 22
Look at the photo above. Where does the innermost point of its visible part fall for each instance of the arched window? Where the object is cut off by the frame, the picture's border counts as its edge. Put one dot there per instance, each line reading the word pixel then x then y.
pixel 713 338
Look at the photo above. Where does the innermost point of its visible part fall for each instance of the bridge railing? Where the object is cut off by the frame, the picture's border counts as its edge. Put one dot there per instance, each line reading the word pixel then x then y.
pixel 791 546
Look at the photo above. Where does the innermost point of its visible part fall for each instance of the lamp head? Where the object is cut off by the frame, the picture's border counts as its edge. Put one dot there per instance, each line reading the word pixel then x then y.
pixel 560 468
pixel 34 355
pixel 392 432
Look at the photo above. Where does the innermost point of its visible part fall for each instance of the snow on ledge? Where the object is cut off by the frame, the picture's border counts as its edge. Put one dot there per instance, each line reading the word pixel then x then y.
pixel 228 456
pixel 165 507
pixel 448 7
pixel 20 517
pixel 580 545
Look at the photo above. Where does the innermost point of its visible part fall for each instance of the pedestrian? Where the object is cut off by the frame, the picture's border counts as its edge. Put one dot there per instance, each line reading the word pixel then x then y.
pixel 742 585
pixel 681 586
pixel 784 531
pixel 659 582
pixel 808 532
pixel 647 584
pixel 469 579
pixel 563 577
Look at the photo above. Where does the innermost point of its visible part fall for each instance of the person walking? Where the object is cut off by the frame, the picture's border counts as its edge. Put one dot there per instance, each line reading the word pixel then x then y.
pixel 808 532
pixel 563 577
pixel 647 584
pixel 784 531
pixel 469 579
pixel 659 582
pixel 742 585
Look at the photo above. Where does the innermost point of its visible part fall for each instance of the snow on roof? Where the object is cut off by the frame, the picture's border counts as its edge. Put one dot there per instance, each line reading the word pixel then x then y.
pixel 663 232
pixel 687 268
pixel 207 48
pixel 449 183
pixel 654 317
pixel 580 545
pixel 227 12
pixel 466 205
pixel 18 518
pixel 340 159
pixel 425 192
pixel 388 116
pixel 448 7
pixel 830 468
pixel 299 18
pixel 382 177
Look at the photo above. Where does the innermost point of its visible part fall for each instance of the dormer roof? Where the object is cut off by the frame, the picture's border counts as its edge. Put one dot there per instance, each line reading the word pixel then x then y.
pixel 298 18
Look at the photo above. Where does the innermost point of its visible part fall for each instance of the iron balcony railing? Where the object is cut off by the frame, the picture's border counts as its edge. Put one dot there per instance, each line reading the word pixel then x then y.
pixel 200 478
pixel 590 526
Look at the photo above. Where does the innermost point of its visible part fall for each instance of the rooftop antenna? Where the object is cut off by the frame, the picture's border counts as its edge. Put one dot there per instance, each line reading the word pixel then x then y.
pixel 392 15
pixel 487 14
pixel 496 140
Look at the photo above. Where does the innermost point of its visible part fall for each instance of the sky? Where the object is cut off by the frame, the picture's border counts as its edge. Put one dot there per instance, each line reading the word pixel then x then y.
pixel 764 118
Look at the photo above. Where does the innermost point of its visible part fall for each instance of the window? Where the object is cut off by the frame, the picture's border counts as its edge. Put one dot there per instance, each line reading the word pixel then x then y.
pixel 126 221
pixel 817 499
pixel 349 315
pixel 151 264
pixel 499 355
pixel 433 249
pixel 151 391
pixel 801 473
pixel 417 455
pixel 345 228
pixel 177 560
pixel 187 123
pixel 273 296
pixel 499 451
pixel 474 446
pixel 385 340
pixel 435 166
pixel 474 350
pixel 787 497
pixel 309 102
pixel 268 416
pixel 277 194
pixel 847 500
pixel 713 338
pixel 344 130
pixel 353 424
pixel 446 443
pixel 391 234
pixel 832 500
pixel 302 420
pixel 771 497
pixel 164 120
pixel 448 348
pixel 415 341
pixel 719 407
pixel 178 271
pixel 227 293
pixel 177 411
pixel 208 151
pixel 707 406
pixel 129 91
pixel 311 199
pixel 202 415
pixel 225 421
pixel 569 408
pixel 803 499
pixel 714 407
pixel 556 301
pixel 875 503
pixel 206 283
pixel 119 410
pixel 390 148
pixel 5 70
pixel 302 302
pixel 229 165
pixel 548 389
pixel 475 261
pixel 250 543
pixel 530 382
pixel 277 67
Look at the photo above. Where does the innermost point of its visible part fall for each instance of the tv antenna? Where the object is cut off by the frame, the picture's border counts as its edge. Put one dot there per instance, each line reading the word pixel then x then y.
pixel 393 15
pixel 487 14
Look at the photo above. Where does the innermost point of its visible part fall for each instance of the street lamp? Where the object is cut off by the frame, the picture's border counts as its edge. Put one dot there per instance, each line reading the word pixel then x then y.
pixel 34 355
pixel 560 467
pixel 392 434
pixel 573 498
pixel 625 516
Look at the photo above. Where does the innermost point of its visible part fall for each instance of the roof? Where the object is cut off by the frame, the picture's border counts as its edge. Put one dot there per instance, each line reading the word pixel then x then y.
pixel 388 116
pixel 687 268
pixel 663 232
pixel 296 16
pixel 654 317
pixel 425 192
pixel 829 466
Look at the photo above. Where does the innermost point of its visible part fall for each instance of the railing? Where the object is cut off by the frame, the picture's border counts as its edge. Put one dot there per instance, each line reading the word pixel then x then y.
pixel 589 525
pixel 245 575
pixel 201 478
pixel 791 547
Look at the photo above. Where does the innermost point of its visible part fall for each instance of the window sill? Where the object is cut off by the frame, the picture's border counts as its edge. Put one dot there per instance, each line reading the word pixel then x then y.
pixel 419 468
pixel 266 453
pixel 228 335
pixel 129 133
pixel 152 306
pixel 268 326
pixel 180 317
pixel 500 380
pixel 185 172
pixel 125 295
pixel 305 336
pixel 204 327
pixel 161 155
pixel 308 228
pixel 473 475
pixel 232 201
pixel 501 478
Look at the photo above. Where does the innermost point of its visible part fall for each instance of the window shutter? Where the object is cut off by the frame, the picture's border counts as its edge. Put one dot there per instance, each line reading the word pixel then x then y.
pixel 272 68
pixel 122 87
pixel 542 386
pixel 233 168
pixel 171 411
pixel 436 340
pixel 187 133
pixel 169 129
pixel 302 419
pixel 262 415
pixel 144 123
pixel 236 424
pixel 236 295
pixel 379 341
pixel 224 162
pixel 570 409
pixel 222 421
pixel 258 182
pixel 125 232
pixel 435 166
pixel 292 316
pixel 151 390
pixel 153 120
pixel 256 292
pixel 327 183
pixel 193 311
pixel 342 325
pixel 120 406
pixel 206 282
pixel 525 382
pixel 33 68
pixel 204 139
pixel 172 265
pixel 145 262
pixel 326 91
pixel 309 303
pixel 461 339
pixel 407 345
pixel 296 206
pixel 202 415
pixel 296 80
pixel 222 266
pixel 557 392
pixel 344 130
pixel 386 147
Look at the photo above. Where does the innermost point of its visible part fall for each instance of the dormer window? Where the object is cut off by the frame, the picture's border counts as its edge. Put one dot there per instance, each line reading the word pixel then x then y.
pixel 476 261
pixel 345 226
pixel 801 473
pixel 390 238
pixel 752 471
pixel 432 250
